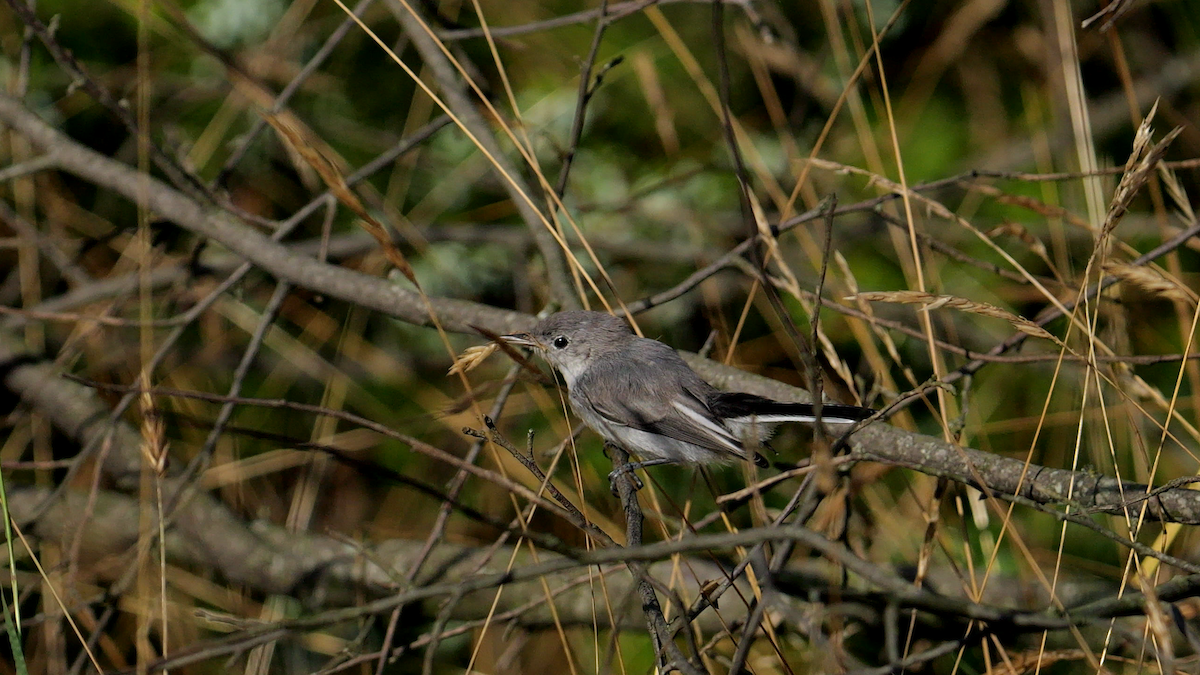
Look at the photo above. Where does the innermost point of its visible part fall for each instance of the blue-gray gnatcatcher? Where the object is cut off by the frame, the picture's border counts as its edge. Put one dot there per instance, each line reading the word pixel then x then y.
pixel 639 394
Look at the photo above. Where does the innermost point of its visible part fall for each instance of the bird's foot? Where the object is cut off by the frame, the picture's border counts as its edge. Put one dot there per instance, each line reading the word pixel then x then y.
pixel 629 469
pixel 625 470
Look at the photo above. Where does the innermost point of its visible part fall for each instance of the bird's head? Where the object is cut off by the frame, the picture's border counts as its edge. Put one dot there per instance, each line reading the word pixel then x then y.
pixel 571 340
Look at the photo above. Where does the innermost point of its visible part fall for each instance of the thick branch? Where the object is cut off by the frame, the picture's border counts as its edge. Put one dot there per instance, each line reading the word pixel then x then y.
pixel 878 442
pixel 890 445
pixel 339 573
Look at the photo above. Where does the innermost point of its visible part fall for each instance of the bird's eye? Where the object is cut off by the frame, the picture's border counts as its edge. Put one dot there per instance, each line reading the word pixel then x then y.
pixel 561 342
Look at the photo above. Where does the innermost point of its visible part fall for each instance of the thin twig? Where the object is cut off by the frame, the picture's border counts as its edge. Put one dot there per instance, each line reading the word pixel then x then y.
pixel 265 322
pixel 586 91
pixel 443 516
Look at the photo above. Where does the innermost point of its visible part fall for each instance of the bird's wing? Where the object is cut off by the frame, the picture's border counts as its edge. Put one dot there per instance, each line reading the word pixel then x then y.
pixel 655 402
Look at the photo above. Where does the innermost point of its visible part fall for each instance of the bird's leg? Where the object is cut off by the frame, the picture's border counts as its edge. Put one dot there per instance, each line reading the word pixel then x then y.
pixel 629 469
pixel 623 469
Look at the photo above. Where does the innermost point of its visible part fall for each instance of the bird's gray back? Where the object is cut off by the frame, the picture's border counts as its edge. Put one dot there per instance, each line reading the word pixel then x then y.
pixel 645 371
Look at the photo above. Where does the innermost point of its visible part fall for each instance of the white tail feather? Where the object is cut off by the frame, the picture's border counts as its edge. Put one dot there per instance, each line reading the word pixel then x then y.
pixel 780 418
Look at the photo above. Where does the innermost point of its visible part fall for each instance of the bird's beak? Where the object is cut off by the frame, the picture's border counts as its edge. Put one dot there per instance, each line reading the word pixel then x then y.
pixel 522 340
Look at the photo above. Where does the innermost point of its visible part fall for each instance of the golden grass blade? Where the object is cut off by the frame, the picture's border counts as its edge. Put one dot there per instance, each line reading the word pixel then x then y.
pixel 932 301
pixel 1152 282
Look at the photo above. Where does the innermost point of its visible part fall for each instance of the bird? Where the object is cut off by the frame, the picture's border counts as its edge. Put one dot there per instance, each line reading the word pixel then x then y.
pixel 639 394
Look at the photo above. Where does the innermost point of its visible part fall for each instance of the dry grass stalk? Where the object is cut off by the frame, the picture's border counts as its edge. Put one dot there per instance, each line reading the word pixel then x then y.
pixel 302 141
pixel 1171 183
pixel 1151 281
pixel 471 357
pixel 1020 232
pixel 932 301
pixel 1030 203
pixel 1141 164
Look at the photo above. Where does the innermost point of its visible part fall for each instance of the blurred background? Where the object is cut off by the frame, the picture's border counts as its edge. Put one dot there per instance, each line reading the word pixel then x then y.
pixel 1007 124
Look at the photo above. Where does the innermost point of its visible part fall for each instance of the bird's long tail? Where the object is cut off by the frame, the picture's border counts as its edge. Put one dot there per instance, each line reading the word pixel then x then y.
pixel 748 407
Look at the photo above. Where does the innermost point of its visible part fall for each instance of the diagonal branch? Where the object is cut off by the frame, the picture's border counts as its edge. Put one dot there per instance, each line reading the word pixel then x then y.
pixel 274 258
pixel 878 442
